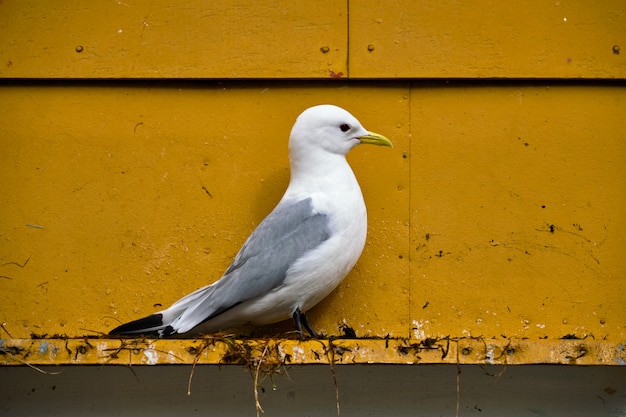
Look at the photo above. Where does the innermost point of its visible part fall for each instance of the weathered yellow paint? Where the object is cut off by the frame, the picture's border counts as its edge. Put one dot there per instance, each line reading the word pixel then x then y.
pixel 517 202
pixel 497 213
pixel 322 39
pixel 125 199
pixel 494 39
pixel 147 39
pixel 269 354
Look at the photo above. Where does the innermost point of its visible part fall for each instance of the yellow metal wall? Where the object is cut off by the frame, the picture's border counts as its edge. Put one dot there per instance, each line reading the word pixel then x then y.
pixel 144 194
pixel 517 195
pixel 300 39
pixel 498 213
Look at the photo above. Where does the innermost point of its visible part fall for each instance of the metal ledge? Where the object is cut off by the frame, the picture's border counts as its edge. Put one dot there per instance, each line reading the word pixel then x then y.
pixel 278 352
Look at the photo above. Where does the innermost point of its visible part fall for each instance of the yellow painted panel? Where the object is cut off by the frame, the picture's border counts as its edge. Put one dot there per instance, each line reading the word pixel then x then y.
pixel 499 212
pixel 157 39
pixel 518 197
pixel 493 39
pixel 291 39
pixel 117 201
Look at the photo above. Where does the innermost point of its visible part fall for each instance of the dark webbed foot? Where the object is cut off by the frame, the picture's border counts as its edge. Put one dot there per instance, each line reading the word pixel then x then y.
pixel 300 320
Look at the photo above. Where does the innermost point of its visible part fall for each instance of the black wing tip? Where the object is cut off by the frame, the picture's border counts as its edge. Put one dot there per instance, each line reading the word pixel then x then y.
pixel 146 326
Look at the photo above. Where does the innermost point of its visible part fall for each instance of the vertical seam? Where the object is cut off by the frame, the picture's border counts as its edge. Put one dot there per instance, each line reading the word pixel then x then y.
pixel 409 205
pixel 347 38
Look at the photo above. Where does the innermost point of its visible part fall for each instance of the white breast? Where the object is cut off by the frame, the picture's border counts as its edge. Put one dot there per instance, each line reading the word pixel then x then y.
pixel 337 195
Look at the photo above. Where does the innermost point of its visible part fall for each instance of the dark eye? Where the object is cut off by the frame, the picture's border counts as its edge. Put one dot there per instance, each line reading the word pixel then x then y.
pixel 344 127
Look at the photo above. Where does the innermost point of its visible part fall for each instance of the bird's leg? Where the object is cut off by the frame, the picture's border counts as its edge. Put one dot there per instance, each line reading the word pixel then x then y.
pixel 298 323
pixel 308 327
pixel 300 320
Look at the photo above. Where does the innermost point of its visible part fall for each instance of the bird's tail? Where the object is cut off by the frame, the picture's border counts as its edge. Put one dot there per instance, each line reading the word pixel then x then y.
pixel 179 318
pixel 151 326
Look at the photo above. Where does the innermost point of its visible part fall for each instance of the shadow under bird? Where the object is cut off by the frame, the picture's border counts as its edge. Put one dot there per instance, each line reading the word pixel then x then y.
pixel 299 253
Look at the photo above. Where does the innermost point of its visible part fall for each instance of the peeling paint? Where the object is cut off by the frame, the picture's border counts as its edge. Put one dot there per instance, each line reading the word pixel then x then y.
pixel 151 356
pixel 43 347
pixel 489 354
pixel 418 331
pixel 298 354
pixel 621 350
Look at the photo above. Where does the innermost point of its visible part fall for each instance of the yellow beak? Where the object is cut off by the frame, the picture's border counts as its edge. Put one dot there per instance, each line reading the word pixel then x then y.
pixel 375 139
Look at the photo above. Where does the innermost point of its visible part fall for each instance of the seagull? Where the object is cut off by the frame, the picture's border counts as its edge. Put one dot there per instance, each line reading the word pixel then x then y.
pixel 299 253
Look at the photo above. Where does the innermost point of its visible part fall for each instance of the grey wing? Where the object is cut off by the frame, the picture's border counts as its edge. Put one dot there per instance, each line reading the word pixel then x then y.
pixel 288 232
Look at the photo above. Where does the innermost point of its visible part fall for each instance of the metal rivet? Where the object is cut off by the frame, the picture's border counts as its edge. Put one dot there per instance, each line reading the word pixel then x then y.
pixel 79 48
pixel 324 49
pixel 616 49
pixel 370 47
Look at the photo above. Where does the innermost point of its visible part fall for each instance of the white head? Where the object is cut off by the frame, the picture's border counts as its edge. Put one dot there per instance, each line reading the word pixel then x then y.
pixel 329 129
